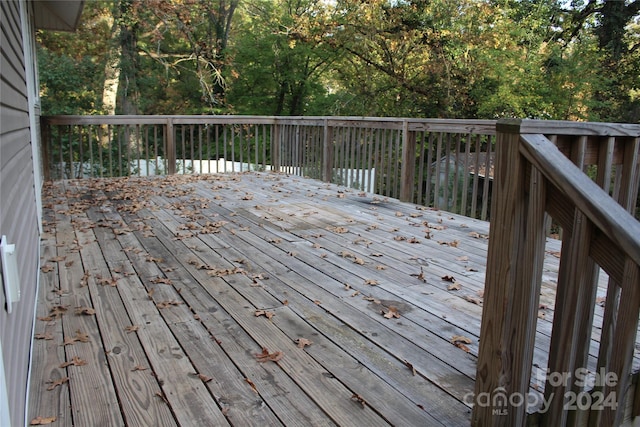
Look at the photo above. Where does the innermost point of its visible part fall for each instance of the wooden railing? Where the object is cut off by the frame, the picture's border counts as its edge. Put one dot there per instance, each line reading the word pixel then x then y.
pixel 570 177
pixel 446 164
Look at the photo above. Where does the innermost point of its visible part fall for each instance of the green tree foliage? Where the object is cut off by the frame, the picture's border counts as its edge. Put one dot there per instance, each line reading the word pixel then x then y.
pixel 425 58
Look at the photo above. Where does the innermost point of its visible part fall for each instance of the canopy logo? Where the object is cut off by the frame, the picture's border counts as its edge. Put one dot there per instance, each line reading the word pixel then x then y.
pixel 590 397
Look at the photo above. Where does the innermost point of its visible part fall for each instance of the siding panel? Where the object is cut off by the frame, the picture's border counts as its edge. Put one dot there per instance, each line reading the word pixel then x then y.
pixel 18 212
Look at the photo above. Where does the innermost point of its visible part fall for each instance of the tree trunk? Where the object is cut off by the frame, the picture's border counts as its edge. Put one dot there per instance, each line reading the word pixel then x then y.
pixel 112 70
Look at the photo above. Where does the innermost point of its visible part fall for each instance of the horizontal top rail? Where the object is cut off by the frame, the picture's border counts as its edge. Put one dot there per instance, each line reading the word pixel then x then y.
pixel 559 127
pixel 593 201
pixel 485 127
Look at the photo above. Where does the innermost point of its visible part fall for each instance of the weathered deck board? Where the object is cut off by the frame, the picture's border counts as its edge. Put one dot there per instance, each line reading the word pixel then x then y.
pixel 191 259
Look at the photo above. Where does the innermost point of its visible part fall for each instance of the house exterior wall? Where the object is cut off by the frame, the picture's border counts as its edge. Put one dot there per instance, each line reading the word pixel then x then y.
pixel 18 201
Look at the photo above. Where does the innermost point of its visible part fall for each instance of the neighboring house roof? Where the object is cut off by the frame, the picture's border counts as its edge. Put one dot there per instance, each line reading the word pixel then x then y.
pixel 58 15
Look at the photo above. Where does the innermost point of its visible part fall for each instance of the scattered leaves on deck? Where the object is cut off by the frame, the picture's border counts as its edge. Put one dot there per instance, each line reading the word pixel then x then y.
pixel 266 356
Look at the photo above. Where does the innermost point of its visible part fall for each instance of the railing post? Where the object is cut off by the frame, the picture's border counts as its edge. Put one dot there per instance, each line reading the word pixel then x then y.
pixel 512 286
pixel 275 147
pixel 171 148
pixel 327 152
pixel 408 167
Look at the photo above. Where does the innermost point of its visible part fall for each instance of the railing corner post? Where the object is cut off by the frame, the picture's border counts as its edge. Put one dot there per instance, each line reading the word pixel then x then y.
pixel 511 298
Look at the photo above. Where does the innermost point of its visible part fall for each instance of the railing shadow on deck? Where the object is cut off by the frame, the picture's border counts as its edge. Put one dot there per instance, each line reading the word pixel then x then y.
pixel 522 175
pixel 537 178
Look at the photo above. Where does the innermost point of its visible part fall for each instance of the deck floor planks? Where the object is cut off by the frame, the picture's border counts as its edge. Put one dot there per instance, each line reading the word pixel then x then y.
pixel 47 348
pixel 272 224
pixel 330 302
pixel 94 399
pixel 238 395
pixel 187 395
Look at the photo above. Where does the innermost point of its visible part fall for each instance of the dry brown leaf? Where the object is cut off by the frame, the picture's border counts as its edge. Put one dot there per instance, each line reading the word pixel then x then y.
pixel 359 399
pixel 40 421
pixel 138 368
pixel 253 386
pixel 455 286
pixel 371 282
pixel 76 361
pixel 265 313
pixel 463 258
pixel 420 276
pixel 204 378
pixel 265 356
pixel 132 328
pixel 88 311
pixel 46 336
pixel 54 384
pixel 460 338
pixel 410 366
pixel 473 300
pixel 392 312
pixel 377 254
pixel 302 342
pixel 359 261
pixel 448 278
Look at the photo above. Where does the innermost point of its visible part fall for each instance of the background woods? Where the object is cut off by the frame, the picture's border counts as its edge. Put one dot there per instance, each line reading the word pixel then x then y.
pixel 439 58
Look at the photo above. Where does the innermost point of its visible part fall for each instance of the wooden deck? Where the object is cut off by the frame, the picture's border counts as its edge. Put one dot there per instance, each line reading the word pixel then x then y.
pixel 188 300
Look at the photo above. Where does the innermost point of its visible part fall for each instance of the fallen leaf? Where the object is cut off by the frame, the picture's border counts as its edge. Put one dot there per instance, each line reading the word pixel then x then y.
pixel 420 276
pixel 85 310
pixel 76 361
pixel 302 342
pixel 253 386
pixel 460 338
pixel 46 336
pixel 474 300
pixel 455 286
pixel 39 421
pixel 55 384
pixel 359 261
pixel 410 366
pixel 463 258
pixel 371 282
pixel 359 399
pixel 265 356
pixel 131 328
pixel 138 368
pixel 392 312
pixel 265 313
pixel 448 278
pixel 204 378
